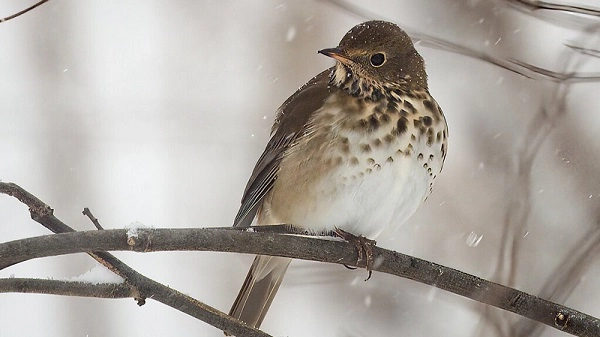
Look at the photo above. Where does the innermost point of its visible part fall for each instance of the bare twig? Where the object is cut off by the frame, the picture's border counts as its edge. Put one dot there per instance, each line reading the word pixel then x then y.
pixel 23 11
pixel 535 5
pixel 585 51
pixel 88 213
pixel 142 287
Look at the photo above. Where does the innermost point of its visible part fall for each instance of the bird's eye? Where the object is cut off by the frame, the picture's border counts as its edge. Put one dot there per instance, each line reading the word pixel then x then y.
pixel 377 60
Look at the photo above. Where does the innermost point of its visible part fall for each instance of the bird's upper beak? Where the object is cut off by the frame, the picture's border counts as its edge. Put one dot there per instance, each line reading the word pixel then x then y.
pixel 337 54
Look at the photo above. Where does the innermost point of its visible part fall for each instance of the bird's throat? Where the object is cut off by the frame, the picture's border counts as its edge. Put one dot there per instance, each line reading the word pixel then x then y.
pixel 355 83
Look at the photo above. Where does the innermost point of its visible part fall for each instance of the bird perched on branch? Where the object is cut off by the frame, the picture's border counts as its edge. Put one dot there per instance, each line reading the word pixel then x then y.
pixel 355 150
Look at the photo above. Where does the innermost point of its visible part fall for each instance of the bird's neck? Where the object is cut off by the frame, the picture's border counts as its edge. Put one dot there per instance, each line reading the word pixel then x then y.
pixel 356 85
pixel 361 86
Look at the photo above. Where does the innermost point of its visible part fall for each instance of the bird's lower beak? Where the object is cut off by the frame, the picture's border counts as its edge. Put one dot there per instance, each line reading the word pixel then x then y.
pixel 336 53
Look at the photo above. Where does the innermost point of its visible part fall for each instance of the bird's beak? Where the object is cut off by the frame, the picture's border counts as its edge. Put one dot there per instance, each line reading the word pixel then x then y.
pixel 337 54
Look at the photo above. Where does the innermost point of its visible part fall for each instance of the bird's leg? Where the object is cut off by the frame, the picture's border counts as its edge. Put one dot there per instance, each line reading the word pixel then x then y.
pixel 364 248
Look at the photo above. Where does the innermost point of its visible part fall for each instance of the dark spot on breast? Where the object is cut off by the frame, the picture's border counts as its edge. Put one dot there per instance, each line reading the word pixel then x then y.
pixel 354 89
pixel 363 123
pixel 443 149
pixel 364 86
pixel 403 112
pixel 430 157
pixel 399 152
pixel 428 105
pixel 377 142
pixel 429 170
pixel 408 105
pixel 401 126
pixel 388 139
pixel 417 123
pixel 368 170
pixel 408 150
pixel 392 105
pixel 413 137
pixel 374 122
pixel 427 121
pixel 420 156
pixel 425 165
pixel 354 161
pixel 345 148
pixel 429 136
pixel 370 161
pixel 389 160
pixel 384 119
pixel 438 136
pixel 365 148
pixel 421 95
pixel 376 95
pixel 377 167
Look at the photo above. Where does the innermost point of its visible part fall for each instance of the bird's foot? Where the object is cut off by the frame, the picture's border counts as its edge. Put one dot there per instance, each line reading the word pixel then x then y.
pixel 364 248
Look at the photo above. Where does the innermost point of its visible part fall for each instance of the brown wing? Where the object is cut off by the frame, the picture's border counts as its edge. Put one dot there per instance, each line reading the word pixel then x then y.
pixel 291 120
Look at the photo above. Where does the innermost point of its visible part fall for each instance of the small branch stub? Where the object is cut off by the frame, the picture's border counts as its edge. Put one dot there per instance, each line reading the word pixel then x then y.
pixel 561 320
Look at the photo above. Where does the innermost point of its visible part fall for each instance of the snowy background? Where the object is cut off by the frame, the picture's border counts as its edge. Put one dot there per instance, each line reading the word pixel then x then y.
pixel 156 111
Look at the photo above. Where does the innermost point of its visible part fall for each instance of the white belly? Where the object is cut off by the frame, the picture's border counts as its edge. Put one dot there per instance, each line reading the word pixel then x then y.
pixel 367 205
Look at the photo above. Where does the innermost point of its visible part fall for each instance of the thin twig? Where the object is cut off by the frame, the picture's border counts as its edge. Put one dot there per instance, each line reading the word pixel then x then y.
pixel 142 286
pixel 88 213
pixel 534 5
pixel 23 11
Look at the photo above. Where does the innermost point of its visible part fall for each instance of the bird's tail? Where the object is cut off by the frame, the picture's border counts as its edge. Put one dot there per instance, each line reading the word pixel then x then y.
pixel 259 288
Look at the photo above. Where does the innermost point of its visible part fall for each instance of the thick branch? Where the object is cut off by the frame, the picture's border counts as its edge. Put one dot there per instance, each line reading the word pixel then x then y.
pixel 66 288
pixel 210 239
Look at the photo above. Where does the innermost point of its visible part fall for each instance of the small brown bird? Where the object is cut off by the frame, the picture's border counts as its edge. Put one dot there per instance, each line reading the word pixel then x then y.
pixel 357 149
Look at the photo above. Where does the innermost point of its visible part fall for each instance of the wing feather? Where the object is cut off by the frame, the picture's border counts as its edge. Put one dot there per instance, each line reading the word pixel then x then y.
pixel 290 123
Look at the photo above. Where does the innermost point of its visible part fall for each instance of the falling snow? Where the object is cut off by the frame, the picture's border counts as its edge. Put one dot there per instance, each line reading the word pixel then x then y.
pixel 473 239
pixel 291 34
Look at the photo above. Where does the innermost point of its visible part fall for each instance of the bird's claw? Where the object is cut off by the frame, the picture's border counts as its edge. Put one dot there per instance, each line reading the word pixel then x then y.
pixel 364 248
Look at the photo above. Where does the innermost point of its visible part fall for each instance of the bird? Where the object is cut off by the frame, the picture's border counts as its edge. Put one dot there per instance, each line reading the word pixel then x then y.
pixel 355 150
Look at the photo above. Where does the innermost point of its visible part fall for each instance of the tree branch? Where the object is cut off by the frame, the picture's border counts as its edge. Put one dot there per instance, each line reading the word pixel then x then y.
pixel 66 288
pixel 23 11
pixel 142 286
pixel 307 248
pixel 315 249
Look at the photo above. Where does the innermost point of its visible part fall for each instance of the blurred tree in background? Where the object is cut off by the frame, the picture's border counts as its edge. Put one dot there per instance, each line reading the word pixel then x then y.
pixel 155 111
